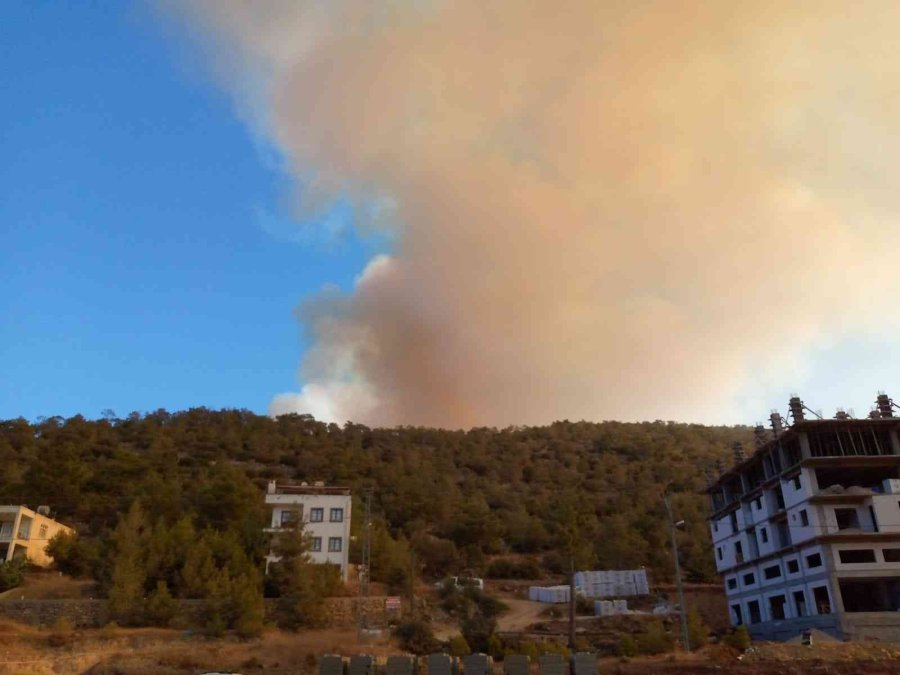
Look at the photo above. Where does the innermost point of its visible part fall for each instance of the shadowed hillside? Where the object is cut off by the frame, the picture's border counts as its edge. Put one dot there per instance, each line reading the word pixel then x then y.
pixel 450 499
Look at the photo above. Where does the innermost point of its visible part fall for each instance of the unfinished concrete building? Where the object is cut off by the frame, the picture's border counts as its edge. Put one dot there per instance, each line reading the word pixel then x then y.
pixel 806 530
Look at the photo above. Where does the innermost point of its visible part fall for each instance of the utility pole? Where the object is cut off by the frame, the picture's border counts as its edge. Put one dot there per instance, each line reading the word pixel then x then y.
pixel 366 563
pixel 685 638
pixel 572 602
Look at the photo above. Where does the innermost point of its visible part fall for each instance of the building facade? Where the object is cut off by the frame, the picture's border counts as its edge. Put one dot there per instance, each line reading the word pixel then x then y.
pixel 24 534
pixel 323 512
pixel 806 531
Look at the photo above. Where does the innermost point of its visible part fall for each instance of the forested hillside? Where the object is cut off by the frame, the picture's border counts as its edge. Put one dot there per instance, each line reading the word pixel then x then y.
pixel 444 501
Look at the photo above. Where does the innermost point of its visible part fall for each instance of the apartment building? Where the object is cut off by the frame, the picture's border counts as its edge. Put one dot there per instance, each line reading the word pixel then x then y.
pixel 25 533
pixel 324 513
pixel 806 531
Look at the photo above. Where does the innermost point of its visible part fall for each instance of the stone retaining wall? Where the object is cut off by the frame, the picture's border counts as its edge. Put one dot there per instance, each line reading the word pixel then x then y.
pixel 340 612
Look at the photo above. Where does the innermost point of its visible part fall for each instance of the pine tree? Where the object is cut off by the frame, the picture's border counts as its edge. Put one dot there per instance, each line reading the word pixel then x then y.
pixel 126 592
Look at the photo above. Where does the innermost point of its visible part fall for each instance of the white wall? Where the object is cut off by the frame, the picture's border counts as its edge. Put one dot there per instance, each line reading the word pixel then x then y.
pixel 887 512
pixel 800 532
pixel 324 530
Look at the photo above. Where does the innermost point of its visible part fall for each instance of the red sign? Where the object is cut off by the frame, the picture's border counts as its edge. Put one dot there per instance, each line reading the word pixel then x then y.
pixel 392 604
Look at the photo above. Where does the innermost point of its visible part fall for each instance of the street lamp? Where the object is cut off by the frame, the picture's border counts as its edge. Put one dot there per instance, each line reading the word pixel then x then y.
pixel 685 639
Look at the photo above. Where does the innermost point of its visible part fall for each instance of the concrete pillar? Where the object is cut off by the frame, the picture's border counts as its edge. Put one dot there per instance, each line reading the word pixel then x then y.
pixel 895 442
pixel 15 535
pixel 804 445
pixel 837 602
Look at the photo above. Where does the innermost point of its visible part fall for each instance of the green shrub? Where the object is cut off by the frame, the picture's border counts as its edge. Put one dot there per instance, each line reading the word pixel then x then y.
pixel 698 632
pixel 416 637
pixel 739 638
pixel 458 646
pixel 553 648
pixel 584 606
pixel 160 608
pixel 627 646
pixel 11 574
pixel 529 649
pixel 655 640
pixel 495 647
pixel 215 625
pixel 73 555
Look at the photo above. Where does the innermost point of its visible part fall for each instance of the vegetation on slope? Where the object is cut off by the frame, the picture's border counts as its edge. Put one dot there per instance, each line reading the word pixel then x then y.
pixel 444 501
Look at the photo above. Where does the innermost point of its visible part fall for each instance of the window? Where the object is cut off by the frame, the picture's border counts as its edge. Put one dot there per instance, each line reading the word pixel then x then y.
pixel 289 517
pixel 749 579
pixel 716 526
pixel 734 521
pixel 315 544
pixel 764 535
pixel 736 615
pixel 719 552
pixel 800 603
pixel 804 518
pixel 738 552
pixel 796 481
pixel 814 560
pixel 847 519
pixel 42 532
pixel 855 556
pixel 776 607
pixel 316 515
pixel 732 584
pixel 891 554
pixel 772 572
pixel 758 503
pixel 336 516
pixel 753 611
pixel 821 600
pixel 334 544
pixel 793 566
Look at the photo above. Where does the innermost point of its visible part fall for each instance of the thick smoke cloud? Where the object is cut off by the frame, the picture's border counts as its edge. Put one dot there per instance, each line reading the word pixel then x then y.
pixel 607 209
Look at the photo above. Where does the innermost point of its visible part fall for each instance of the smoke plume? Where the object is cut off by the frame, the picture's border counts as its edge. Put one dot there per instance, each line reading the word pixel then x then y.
pixel 602 209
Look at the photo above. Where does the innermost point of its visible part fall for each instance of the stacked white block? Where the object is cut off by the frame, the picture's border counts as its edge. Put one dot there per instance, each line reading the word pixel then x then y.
pixel 612 583
pixel 610 607
pixel 549 594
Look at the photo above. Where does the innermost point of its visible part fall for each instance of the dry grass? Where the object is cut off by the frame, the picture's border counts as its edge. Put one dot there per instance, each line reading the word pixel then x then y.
pixel 50 586
pixel 152 651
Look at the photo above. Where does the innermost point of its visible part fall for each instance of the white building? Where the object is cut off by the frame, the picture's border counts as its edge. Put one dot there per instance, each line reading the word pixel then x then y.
pixel 324 513
pixel 806 532
pixel 24 534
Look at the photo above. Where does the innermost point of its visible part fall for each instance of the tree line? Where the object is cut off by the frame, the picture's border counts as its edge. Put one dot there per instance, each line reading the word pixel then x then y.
pixel 172 503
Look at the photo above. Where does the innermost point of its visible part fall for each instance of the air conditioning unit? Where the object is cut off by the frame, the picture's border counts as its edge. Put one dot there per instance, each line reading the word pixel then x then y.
pixel 891 486
pixel 44 510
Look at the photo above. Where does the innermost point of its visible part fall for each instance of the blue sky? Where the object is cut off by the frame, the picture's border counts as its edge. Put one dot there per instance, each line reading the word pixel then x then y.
pixel 146 257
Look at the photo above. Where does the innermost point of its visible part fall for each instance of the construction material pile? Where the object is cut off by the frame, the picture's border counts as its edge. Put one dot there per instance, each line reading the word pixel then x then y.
pixel 612 583
pixel 549 594
pixel 610 607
